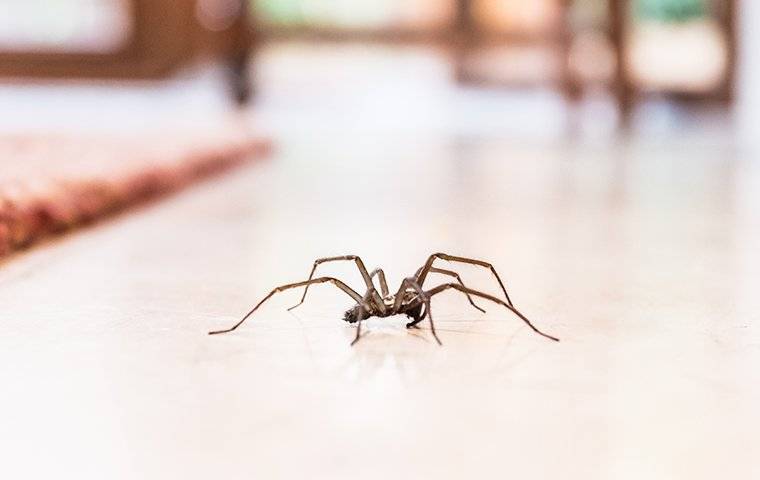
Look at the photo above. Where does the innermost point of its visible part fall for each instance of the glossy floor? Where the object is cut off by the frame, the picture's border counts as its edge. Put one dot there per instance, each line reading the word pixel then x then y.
pixel 646 267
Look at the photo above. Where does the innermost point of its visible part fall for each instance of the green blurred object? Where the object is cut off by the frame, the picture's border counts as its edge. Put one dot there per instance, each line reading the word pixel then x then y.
pixel 285 12
pixel 670 11
pixel 331 13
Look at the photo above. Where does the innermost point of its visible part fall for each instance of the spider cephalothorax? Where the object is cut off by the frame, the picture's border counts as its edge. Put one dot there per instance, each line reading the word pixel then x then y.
pixel 408 300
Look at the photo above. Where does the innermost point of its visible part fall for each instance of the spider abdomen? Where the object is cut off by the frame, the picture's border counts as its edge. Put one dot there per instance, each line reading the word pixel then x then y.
pixel 353 313
pixel 356 313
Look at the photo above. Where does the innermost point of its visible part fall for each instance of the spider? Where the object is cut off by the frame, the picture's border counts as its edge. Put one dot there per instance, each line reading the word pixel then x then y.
pixel 408 300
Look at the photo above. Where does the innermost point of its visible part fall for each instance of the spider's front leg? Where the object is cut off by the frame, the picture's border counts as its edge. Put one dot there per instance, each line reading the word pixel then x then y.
pixel 373 295
pixel 456 286
pixel 428 267
pixel 282 288
pixel 411 283
pixel 450 274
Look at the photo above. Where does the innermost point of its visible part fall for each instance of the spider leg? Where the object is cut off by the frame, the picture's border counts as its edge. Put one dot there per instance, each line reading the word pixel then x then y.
pixel 456 276
pixel 456 286
pixel 383 284
pixel 423 296
pixel 450 258
pixel 375 297
pixel 282 288
pixel 359 322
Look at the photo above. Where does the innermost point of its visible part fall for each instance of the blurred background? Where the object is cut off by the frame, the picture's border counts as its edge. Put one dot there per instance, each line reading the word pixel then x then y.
pixel 536 67
pixel 602 154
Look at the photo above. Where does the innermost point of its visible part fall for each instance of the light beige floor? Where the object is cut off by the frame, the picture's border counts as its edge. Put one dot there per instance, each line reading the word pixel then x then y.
pixel 642 254
pixel 643 260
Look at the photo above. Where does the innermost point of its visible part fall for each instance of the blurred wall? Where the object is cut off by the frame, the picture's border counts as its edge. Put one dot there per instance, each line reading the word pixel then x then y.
pixel 748 74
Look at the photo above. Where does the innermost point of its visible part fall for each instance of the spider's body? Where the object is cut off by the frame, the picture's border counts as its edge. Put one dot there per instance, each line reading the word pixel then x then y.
pixel 408 300
pixel 411 306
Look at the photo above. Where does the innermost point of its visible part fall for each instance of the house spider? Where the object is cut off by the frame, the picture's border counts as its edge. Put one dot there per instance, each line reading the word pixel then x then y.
pixel 409 299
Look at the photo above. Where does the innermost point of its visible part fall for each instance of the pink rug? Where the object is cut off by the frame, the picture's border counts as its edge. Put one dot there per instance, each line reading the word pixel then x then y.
pixel 53 183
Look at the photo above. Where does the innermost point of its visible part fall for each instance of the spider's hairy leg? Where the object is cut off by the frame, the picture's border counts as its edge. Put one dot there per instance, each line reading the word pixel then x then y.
pixel 383 284
pixel 451 274
pixel 282 288
pixel 374 296
pixel 471 261
pixel 456 286
pixel 411 283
